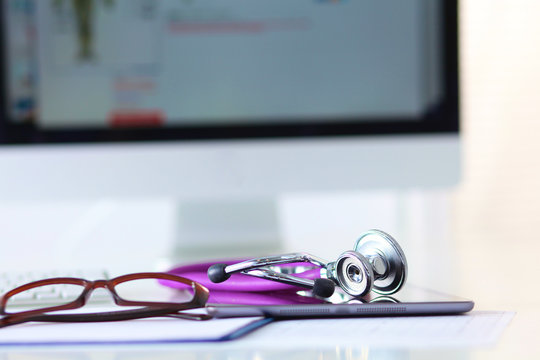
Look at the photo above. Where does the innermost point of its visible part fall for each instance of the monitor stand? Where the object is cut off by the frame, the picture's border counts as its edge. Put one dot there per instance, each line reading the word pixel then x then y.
pixel 226 228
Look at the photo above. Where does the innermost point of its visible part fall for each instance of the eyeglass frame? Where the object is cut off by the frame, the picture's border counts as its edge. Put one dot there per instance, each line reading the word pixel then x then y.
pixel 149 308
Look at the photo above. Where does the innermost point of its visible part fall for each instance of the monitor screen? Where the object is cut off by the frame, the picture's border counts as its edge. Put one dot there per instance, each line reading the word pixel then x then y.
pixel 124 70
pixel 226 106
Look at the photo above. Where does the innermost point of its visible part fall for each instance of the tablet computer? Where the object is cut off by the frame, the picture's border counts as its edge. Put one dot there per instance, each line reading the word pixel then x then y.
pixel 411 300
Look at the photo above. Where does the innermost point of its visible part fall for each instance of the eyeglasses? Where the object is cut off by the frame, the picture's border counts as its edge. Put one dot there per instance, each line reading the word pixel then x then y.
pixel 127 290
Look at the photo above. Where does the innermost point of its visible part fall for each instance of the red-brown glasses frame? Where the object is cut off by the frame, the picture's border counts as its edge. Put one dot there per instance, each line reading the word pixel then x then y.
pixel 149 308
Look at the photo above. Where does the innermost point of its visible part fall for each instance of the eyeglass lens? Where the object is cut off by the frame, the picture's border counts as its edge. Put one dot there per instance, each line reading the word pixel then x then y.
pixel 42 297
pixel 151 290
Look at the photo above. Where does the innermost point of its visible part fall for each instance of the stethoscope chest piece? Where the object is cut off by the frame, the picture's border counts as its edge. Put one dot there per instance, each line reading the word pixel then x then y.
pixel 353 273
pixel 386 258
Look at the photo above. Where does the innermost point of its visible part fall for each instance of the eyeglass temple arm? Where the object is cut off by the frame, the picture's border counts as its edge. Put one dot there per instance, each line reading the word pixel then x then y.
pixel 101 317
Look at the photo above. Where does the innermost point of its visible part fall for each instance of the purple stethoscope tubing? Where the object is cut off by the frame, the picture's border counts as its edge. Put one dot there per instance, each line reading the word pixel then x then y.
pixel 238 281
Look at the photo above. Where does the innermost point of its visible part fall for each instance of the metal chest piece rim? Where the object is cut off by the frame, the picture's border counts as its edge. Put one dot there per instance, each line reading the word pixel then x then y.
pixel 387 259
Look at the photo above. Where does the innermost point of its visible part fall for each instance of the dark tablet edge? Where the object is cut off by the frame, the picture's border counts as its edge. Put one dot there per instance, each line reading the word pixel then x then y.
pixel 342 310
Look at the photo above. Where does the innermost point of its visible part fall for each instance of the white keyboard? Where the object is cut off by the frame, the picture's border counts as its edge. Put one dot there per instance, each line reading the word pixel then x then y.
pixel 53 294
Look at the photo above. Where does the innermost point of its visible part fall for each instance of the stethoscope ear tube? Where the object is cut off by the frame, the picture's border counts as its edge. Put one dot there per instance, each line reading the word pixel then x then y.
pixel 321 287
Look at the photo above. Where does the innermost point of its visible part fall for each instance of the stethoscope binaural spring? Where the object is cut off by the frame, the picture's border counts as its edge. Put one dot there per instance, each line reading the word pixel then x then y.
pixel 377 263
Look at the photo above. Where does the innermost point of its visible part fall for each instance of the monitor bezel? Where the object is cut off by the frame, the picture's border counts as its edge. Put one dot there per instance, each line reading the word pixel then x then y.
pixel 441 119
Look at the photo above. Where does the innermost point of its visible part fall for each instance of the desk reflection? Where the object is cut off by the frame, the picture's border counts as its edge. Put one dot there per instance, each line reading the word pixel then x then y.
pixel 219 353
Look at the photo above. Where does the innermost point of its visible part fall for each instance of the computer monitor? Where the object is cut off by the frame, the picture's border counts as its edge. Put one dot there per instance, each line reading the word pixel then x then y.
pixel 226 102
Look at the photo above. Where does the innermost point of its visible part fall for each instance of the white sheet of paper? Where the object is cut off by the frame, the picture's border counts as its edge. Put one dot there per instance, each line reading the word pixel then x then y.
pixel 478 328
pixel 133 331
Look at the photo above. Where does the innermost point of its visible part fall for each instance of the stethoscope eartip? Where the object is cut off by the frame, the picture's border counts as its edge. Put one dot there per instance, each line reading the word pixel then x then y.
pixel 217 274
pixel 323 287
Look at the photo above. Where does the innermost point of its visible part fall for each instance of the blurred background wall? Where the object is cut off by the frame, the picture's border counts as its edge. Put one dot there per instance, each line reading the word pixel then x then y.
pixel 496 208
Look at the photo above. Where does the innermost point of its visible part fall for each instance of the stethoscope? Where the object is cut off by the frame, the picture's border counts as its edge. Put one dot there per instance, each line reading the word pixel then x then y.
pixel 377 263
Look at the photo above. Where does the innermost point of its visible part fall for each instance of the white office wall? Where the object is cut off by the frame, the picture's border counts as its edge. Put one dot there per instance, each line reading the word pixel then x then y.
pixel 100 234
pixel 497 207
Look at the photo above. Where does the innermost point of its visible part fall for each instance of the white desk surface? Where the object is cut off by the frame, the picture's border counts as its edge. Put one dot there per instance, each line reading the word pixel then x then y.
pixel 268 343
